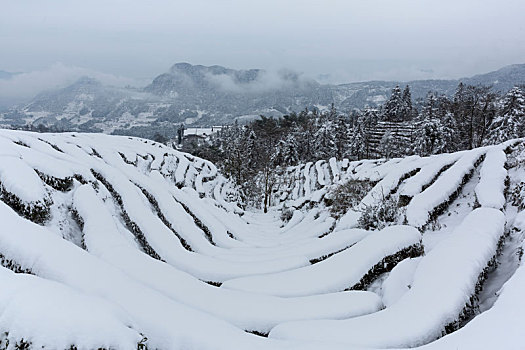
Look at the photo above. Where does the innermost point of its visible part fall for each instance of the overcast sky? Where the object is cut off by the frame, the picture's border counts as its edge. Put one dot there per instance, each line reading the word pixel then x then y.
pixel 343 41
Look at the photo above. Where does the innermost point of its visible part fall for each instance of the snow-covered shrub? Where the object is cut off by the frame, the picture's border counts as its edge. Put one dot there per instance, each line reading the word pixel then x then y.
pixel 517 194
pixel 387 264
pixel 131 225
pixel 38 212
pixel 13 266
pixel 62 185
pixel 379 215
pixel 347 195
pixel 155 204
pixel 286 214
pixel 199 223
pixel 471 308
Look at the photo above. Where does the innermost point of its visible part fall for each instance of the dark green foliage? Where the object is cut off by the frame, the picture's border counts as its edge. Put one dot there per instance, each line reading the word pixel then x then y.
pixel 131 225
pixel 326 256
pixel 55 147
pixel 13 266
pixel 37 212
pixel 96 154
pixel 162 218
pixel 21 143
pixel 62 185
pixel 231 235
pixel 80 222
pixel 471 308
pixel 260 334
pixel 126 160
pixel 347 196
pixel 440 209
pixel 199 223
pixel 387 264
pixel 379 215
pixel 27 345
pixel 215 284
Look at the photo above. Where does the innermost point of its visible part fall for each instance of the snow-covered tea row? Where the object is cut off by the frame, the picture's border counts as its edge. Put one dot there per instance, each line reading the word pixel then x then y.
pixel 117 242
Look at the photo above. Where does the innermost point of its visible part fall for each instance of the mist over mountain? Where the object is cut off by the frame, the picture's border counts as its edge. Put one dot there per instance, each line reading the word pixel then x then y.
pixel 214 95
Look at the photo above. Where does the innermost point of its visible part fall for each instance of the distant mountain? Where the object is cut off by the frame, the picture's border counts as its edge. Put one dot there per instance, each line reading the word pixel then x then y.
pixel 202 95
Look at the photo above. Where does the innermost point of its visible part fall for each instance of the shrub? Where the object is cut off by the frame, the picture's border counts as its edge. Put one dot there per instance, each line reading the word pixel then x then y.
pixel 379 215
pixel 286 214
pixel 346 196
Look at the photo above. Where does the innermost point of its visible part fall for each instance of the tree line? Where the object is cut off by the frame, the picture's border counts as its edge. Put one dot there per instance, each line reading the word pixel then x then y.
pixel 253 154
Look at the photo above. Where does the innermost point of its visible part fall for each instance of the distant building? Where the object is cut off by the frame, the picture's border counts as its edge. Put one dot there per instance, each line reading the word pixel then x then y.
pixel 195 135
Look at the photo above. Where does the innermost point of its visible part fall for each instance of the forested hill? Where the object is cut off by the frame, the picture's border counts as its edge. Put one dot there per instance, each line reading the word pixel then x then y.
pixel 474 116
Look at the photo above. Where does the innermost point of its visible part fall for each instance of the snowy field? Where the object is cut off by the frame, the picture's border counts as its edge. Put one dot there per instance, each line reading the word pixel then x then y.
pixel 110 242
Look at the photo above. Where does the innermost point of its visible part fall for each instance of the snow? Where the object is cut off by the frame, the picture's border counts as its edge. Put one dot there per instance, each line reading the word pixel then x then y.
pixel 448 273
pixel 391 180
pixel 90 283
pixel 491 187
pixel 399 281
pixel 253 312
pixel 500 327
pixel 21 180
pixel 415 184
pixel 319 278
pixel 419 210
pixel 53 315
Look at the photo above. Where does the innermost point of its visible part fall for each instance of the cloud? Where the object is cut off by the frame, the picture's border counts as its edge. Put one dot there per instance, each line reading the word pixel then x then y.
pixel 264 82
pixel 24 86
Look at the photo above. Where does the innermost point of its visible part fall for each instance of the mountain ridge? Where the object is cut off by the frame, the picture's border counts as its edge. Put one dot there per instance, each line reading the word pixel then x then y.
pixel 211 95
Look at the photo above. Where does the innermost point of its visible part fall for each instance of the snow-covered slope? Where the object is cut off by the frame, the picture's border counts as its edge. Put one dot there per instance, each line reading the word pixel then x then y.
pixel 122 243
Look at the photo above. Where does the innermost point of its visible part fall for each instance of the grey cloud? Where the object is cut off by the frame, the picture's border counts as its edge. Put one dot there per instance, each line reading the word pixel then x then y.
pixel 26 85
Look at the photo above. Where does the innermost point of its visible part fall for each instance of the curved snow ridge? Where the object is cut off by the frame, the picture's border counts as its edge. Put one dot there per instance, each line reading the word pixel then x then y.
pixel 490 191
pixel 47 314
pixel 391 181
pixel 166 323
pixel 253 312
pixel 427 174
pixel 449 273
pixel 422 206
pixel 88 265
pixel 496 328
pixel 350 265
pixel 169 248
pixel 17 178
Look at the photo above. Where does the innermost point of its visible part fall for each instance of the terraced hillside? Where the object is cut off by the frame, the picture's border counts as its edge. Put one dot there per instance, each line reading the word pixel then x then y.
pixel 121 243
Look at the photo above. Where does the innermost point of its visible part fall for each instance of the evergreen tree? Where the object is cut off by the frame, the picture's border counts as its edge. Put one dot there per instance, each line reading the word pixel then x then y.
pixel 509 124
pixel 430 108
pixel 407 110
pixel 286 152
pixel 324 144
pixel 341 137
pixel 360 139
pixel 474 108
pixel 389 146
pixel 398 107
pixel 393 109
pixel 432 137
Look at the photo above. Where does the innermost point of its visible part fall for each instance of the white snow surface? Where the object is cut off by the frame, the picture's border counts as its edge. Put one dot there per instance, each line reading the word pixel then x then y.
pixel 491 187
pixel 147 246
pixel 356 261
pixel 448 273
pixel 419 210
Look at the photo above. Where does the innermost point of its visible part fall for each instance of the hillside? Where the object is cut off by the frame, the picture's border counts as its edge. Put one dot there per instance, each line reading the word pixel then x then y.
pixel 200 95
pixel 122 243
